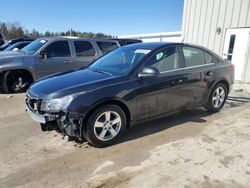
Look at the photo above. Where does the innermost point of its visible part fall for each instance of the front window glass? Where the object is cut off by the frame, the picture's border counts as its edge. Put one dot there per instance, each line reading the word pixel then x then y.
pixel 6 44
pixel 165 60
pixel 34 46
pixel 10 47
pixel 120 61
pixel 58 49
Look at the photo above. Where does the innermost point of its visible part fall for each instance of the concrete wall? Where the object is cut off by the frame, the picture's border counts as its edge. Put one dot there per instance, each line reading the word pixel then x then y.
pixel 201 18
pixel 156 37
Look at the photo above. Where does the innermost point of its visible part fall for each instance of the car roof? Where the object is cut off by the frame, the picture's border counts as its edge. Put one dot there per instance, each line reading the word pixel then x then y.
pixel 152 45
pixel 126 39
pixel 21 39
pixel 21 42
pixel 75 38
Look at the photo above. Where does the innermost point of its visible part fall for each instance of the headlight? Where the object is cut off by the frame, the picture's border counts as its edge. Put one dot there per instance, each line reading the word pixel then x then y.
pixel 55 105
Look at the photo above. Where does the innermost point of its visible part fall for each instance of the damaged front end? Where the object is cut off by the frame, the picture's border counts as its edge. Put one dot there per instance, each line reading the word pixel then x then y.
pixel 53 115
pixel 70 124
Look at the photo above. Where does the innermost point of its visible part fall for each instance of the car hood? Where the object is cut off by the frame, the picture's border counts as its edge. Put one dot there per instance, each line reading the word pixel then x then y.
pixel 7 55
pixel 69 83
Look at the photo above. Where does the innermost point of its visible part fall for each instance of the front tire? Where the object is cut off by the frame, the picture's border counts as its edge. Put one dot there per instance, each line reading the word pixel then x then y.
pixel 105 126
pixel 15 82
pixel 217 98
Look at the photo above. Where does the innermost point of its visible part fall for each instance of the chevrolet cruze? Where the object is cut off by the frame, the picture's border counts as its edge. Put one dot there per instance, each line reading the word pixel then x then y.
pixel 130 85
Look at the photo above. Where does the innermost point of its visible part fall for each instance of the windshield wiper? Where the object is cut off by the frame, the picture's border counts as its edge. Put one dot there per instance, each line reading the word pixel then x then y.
pixel 23 52
pixel 104 72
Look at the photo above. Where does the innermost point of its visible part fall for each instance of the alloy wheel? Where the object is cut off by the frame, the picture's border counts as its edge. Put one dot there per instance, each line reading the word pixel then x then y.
pixel 219 96
pixel 107 125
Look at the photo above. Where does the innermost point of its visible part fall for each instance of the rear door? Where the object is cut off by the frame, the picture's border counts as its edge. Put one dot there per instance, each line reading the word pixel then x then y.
pixel 198 73
pixel 85 53
pixel 161 95
pixel 59 59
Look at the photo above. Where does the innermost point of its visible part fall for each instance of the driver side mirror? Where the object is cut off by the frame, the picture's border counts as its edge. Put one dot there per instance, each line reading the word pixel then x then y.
pixel 148 72
pixel 43 55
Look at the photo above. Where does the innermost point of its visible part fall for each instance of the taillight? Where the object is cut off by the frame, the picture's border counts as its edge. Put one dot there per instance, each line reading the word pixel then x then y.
pixel 232 66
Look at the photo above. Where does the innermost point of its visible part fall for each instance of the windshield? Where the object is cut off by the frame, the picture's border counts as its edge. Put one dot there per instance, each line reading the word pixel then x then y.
pixel 10 47
pixel 32 48
pixel 119 61
pixel 6 44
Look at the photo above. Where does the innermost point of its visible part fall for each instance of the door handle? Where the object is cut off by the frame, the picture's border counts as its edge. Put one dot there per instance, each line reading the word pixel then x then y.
pixel 67 61
pixel 178 81
pixel 209 73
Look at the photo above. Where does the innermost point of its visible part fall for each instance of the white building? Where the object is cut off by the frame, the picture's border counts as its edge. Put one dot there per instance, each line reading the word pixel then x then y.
pixel 222 26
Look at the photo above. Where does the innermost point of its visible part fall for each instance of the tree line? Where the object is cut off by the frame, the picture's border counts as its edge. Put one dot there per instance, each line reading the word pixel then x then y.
pixel 15 30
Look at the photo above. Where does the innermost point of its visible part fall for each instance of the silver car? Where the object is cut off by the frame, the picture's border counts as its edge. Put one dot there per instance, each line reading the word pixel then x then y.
pixel 46 56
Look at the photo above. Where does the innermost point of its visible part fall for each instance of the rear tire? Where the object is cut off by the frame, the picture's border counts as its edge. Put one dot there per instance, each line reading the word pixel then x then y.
pixel 105 126
pixel 217 98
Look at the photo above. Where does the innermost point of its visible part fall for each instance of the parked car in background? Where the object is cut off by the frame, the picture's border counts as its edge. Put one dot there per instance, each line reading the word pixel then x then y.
pixel 1 39
pixel 17 46
pixel 128 86
pixel 13 41
pixel 124 42
pixel 46 56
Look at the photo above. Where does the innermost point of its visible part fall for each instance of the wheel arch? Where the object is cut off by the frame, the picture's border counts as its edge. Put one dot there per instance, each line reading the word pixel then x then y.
pixel 117 102
pixel 21 70
pixel 5 73
pixel 223 81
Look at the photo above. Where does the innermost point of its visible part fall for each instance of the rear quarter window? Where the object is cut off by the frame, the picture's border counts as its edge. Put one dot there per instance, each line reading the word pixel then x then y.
pixel 210 59
pixel 107 47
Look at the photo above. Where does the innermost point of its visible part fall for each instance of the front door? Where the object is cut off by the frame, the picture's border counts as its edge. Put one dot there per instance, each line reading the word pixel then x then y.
pixel 236 47
pixel 161 95
pixel 59 59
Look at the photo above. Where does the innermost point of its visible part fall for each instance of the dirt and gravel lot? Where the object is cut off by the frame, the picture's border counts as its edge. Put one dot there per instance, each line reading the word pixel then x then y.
pixel 190 149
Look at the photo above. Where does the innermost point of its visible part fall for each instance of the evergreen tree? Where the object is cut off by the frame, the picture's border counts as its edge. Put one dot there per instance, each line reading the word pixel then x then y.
pixel 15 30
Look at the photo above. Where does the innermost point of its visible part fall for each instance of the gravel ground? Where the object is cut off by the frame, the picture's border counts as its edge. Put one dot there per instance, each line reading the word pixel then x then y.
pixel 190 149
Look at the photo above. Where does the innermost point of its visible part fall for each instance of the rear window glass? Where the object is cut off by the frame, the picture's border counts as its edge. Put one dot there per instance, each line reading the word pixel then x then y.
pixel 107 46
pixel 132 42
pixel 193 56
pixel 84 48
pixel 210 59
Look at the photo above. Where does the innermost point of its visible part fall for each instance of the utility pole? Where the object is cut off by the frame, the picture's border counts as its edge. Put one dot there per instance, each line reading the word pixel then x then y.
pixel 70 31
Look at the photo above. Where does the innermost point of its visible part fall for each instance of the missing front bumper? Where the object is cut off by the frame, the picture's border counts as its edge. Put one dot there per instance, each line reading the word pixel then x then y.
pixel 67 122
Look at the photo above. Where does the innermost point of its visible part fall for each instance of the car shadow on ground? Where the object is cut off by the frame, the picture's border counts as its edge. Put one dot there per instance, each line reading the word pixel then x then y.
pixel 155 126
pixel 159 125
